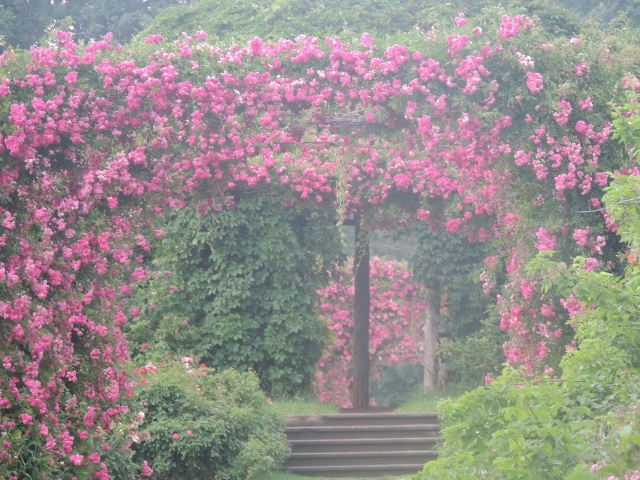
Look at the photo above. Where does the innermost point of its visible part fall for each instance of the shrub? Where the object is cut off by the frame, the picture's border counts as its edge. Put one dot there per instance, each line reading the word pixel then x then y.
pixel 542 427
pixel 204 424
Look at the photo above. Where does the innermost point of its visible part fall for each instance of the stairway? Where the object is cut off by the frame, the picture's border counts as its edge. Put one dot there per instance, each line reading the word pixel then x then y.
pixel 361 444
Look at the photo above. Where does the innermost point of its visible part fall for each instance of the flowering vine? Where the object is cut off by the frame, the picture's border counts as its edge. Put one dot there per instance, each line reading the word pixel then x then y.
pixel 98 141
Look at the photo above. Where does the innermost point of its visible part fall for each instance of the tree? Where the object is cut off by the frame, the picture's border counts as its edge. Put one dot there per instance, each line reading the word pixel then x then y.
pixel 605 11
pixel 240 20
pixel 25 23
pixel 440 257
pixel 124 18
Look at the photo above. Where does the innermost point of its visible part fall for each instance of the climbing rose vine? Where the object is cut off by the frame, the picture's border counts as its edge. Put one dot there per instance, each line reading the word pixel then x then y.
pixel 97 141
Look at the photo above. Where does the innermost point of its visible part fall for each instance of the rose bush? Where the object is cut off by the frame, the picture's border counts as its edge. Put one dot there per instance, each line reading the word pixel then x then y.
pixel 396 319
pixel 201 423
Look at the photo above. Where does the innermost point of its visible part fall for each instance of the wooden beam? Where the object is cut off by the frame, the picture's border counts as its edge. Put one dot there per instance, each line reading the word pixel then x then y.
pixel 361 306
pixel 431 339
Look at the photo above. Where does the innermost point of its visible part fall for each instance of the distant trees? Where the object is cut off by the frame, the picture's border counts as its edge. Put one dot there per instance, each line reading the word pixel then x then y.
pixel 24 22
pixel 605 11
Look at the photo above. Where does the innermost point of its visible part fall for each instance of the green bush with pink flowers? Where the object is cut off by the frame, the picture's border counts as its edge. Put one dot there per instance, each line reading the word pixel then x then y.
pixel 197 423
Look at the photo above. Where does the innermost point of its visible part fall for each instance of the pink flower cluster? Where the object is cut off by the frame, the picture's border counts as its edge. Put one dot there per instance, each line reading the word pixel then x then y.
pixel 534 82
pixel 635 475
pixel 456 43
pixel 581 69
pixel 573 159
pixel 545 240
pixel 533 338
pixel 460 20
pixel 629 82
pixel 510 26
pixel 562 117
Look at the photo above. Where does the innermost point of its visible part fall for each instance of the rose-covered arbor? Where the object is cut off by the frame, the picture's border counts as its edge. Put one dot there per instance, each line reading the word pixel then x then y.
pixel 480 133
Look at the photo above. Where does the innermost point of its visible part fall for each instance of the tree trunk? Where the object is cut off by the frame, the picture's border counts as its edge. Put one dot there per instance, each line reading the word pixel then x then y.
pixel 443 368
pixel 431 339
pixel 361 305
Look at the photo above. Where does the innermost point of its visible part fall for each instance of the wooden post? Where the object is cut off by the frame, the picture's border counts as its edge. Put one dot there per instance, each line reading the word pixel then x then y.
pixel 361 305
pixel 431 339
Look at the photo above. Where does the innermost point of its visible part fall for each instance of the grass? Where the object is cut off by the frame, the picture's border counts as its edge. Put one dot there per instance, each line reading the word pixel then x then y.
pixel 292 476
pixel 303 406
pixel 419 402
pixel 282 476
pixel 309 405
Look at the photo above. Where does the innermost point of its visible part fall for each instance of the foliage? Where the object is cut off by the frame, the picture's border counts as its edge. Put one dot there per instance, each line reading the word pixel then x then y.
pixel 237 288
pixel 441 256
pixel 449 263
pixel 205 424
pixel 24 23
pixel 240 20
pixel 626 119
pixel 470 357
pixel 605 11
pixel 542 427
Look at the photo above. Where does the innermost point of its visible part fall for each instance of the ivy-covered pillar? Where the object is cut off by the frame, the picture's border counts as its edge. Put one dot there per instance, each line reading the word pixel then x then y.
pixel 361 306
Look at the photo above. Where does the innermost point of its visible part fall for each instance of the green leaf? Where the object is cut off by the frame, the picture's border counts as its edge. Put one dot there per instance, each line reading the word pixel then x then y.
pixel 581 473
pixel 625 431
pixel 610 470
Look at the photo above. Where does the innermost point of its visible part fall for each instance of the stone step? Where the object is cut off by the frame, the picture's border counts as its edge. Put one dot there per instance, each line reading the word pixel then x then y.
pixel 357 433
pixel 363 445
pixel 358 459
pixel 362 419
pixel 369 471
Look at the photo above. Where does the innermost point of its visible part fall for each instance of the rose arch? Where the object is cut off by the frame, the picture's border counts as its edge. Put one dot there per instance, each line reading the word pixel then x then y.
pixel 478 133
